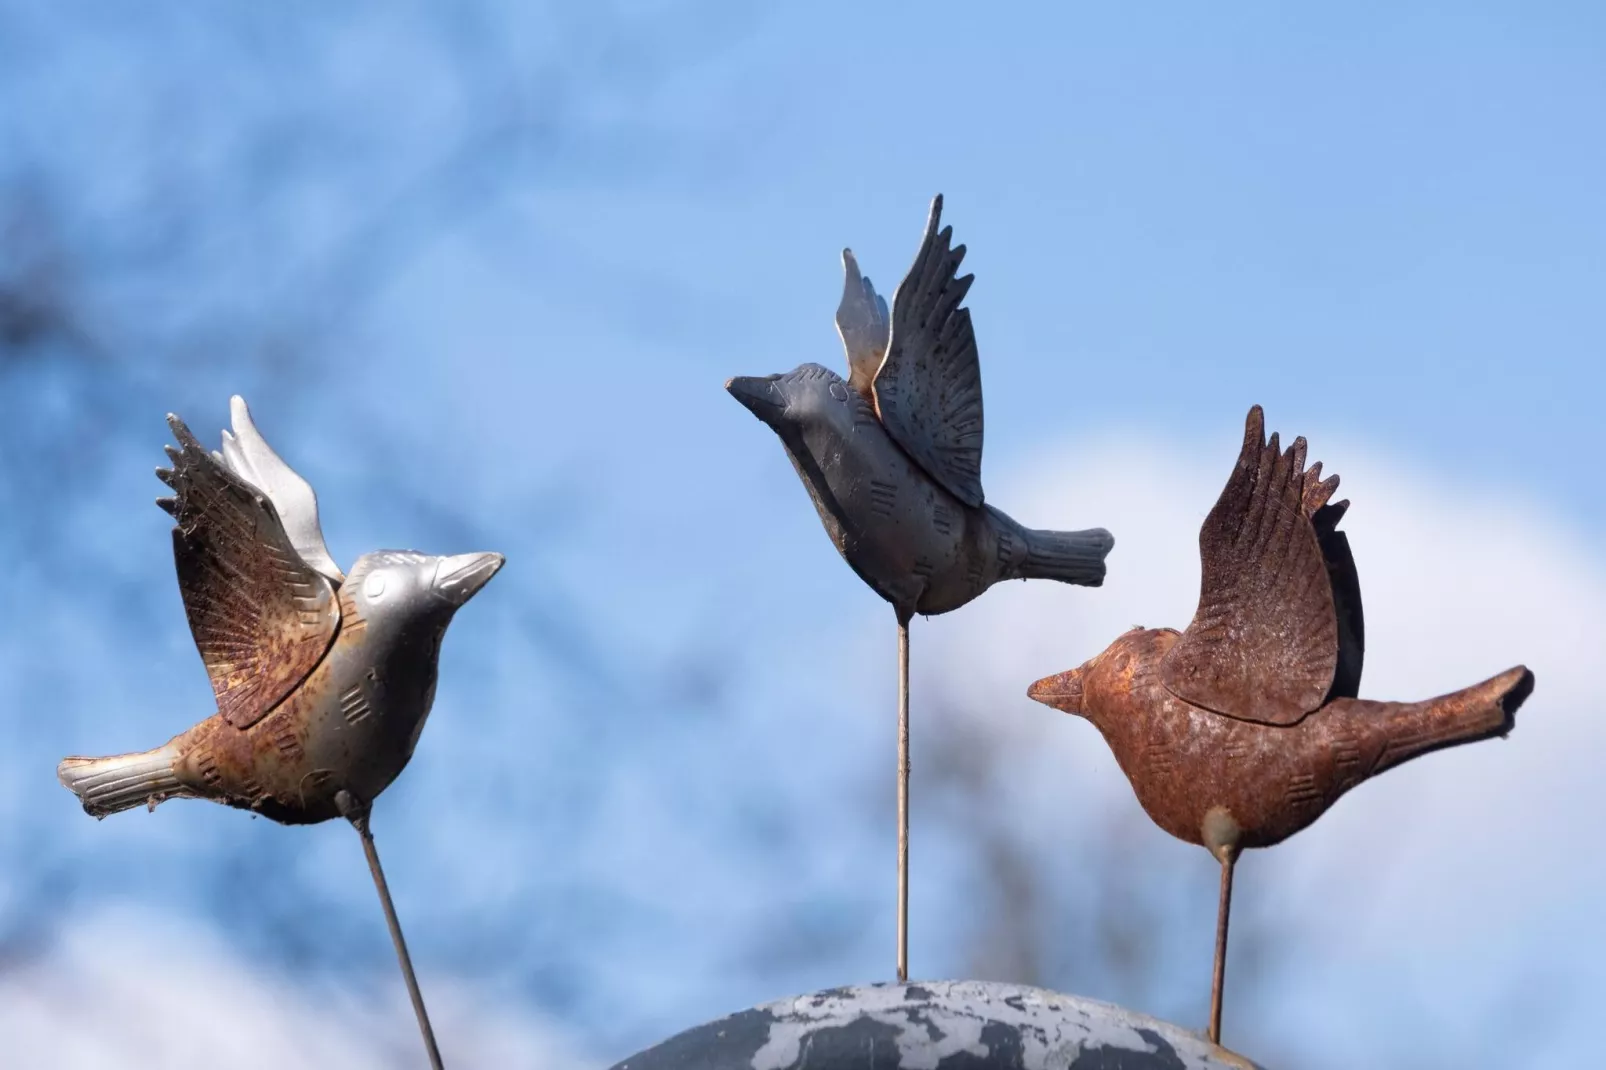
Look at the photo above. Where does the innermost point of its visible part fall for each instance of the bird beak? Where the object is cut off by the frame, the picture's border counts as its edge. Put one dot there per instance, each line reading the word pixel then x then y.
pixel 759 394
pixel 459 577
pixel 1062 691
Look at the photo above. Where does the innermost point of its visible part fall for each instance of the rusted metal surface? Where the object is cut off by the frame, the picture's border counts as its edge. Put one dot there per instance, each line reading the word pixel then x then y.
pixel 319 690
pixel 891 458
pixel 262 618
pixel 1244 729
pixel 1269 781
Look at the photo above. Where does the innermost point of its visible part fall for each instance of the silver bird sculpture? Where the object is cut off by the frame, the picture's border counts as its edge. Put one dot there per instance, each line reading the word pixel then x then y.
pixel 891 457
pixel 323 681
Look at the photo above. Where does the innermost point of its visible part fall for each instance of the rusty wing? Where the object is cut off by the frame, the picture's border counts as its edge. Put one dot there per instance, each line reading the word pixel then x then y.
pixel 262 617
pixel 1264 643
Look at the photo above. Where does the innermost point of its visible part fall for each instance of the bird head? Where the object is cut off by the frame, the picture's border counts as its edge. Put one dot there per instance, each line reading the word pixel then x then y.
pixel 405 588
pixel 1063 691
pixel 1076 690
pixel 806 393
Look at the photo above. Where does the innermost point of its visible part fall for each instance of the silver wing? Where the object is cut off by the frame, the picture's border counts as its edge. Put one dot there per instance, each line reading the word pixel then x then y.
pixel 861 320
pixel 928 391
pixel 247 454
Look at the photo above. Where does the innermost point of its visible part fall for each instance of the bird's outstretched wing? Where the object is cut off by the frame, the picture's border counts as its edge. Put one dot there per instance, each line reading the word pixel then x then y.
pixel 248 455
pixel 261 616
pixel 928 391
pixel 1264 643
pixel 861 320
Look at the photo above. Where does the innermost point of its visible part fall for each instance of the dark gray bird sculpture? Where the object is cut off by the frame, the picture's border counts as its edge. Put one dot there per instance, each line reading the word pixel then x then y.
pixel 323 681
pixel 891 457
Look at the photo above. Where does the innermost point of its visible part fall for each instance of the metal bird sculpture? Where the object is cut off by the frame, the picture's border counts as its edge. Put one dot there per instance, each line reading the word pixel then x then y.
pixel 891 457
pixel 323 681
pixel 1246 728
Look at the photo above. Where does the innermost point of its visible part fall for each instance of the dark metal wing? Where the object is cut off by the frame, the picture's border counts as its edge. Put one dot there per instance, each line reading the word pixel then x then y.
pixel 261 616
pixel 1346 600
pixel 1264 643
pixel 928 392
pixel 861 320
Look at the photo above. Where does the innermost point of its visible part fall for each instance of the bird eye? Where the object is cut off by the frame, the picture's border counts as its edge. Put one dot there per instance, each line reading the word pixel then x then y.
pixel 374 586
pixel 839 391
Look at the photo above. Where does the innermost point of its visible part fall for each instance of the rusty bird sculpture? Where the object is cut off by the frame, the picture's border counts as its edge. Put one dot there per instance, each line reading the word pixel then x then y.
pixel 323 681
pixel 1244 729
pixel 891 457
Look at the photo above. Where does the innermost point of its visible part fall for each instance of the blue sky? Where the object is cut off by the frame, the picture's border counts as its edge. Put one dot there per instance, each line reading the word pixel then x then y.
pixel 482 271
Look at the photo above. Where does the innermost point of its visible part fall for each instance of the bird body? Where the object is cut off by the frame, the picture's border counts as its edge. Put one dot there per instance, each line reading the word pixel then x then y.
pixel 1249 722
pixel 1211 780
pixel 911 540
pixel 1244 729
pixel 322 689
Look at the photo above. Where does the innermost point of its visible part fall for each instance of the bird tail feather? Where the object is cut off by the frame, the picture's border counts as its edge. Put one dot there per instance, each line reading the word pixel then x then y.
pixel 1067 556
pixel 123 781
pixel 1482 711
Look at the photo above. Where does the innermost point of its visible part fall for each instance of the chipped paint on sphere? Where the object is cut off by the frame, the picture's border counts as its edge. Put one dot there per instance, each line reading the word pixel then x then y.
pixel 942 1025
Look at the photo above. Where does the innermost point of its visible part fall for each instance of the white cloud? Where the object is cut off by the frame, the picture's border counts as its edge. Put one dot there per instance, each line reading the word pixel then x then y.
pixel 140 990
pixel 1438 891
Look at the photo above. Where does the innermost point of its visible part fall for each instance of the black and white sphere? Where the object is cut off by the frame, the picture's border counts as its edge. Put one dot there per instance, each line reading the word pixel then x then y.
pixel 940 1025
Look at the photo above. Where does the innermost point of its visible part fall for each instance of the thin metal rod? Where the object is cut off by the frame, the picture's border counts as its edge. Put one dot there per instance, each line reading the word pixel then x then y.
pixel 359 821
pixel 1223 911
pixel 903 798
